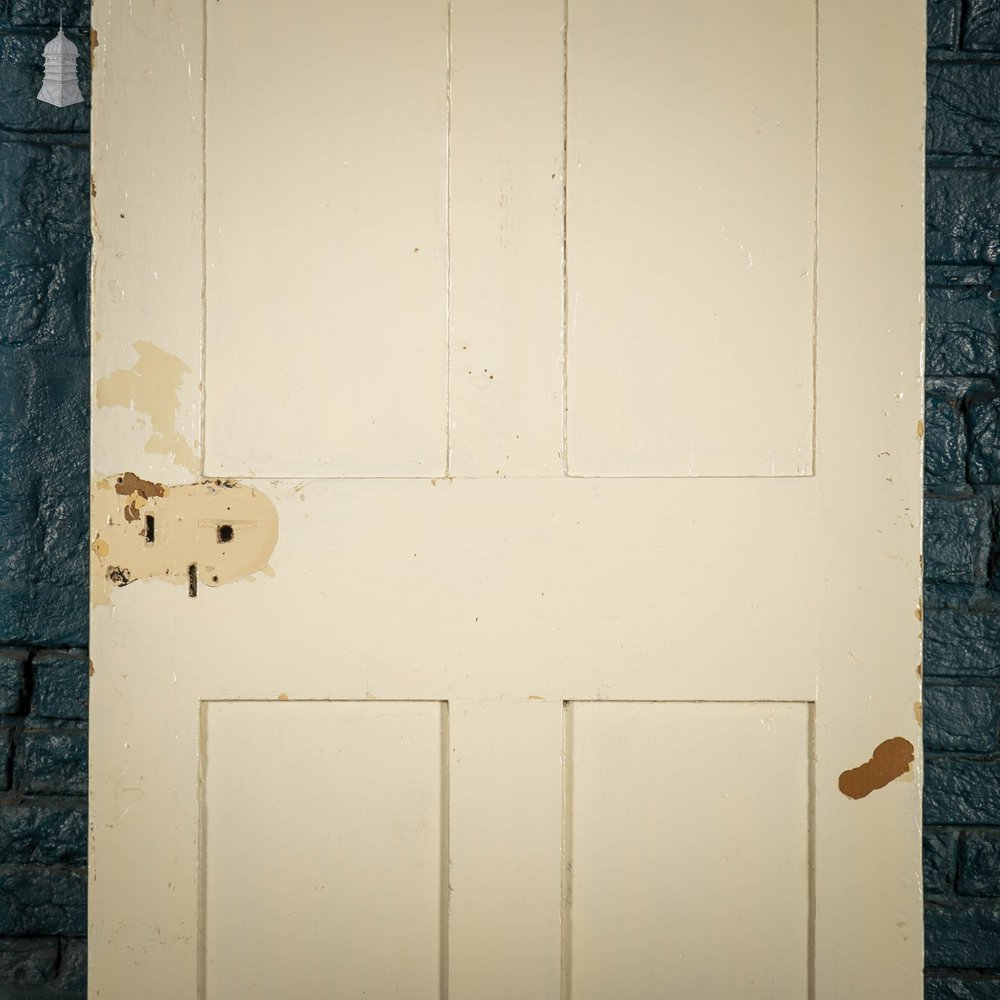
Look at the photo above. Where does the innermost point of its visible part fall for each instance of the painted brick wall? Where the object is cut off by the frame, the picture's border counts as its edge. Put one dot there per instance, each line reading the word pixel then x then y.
pixel 44 378
pixel 962 520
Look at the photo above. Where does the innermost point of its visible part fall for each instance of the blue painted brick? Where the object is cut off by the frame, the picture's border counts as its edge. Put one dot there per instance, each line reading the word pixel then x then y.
pixel 44 302
pixel 63 535
pixel 983 416
pixel 940 859
pixel 73 967
pixel 52 761
pixel 981 27
pixel 13 666
pixel 957 791
pixel 20 539
pixel 21 66
pixel 956 539
pixel 961 640
pixel 962 936
pixel 57 615
pixel 979 864
pixel 963 331
pixel 6 758
pixel 962 717
pixel 962 112
pixel 43 194
pixel 16 609
pixel 43 441
pixel 28 962
pixel 62 679
pixel 43 832
pixel 962 986
pixel 42 901
pixel 963 205
pixel 942 24
pixel 28 13
pixel 945 439
pixel 43 614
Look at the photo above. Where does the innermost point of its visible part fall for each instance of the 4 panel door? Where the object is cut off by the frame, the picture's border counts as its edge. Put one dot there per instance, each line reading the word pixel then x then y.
pixel 506 500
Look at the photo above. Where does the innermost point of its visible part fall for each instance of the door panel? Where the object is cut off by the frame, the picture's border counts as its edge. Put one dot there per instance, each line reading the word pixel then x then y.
pixel 688 827
pixel 547 492
pixel 325 849
pixel 326 239
pixel 691 228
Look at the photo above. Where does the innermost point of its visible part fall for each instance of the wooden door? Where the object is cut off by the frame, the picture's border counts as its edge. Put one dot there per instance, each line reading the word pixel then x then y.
pixel 506 500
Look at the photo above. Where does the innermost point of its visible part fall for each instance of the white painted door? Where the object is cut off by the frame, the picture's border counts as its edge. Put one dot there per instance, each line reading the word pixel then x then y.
pixel 506 501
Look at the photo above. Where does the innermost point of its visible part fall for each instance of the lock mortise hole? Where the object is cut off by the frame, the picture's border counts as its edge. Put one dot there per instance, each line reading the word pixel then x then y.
pixel 224 533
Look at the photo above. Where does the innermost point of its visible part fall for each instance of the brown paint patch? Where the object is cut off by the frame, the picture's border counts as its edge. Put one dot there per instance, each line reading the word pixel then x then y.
pixel 918 712
pixel 152 387
pixel 187 521
pixel 90 669
pixel 93 44
pixel 138 492
pixel 920 428
pixel 282 696
pixel 93 187
pixel 889 761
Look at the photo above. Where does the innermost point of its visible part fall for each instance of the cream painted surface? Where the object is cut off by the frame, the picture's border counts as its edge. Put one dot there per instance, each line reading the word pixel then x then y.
pixel 326 256
pixel 688 830
pixel 508 597
pixel 691 181
pixel 355 792
pixel 506 223
pixel 506 784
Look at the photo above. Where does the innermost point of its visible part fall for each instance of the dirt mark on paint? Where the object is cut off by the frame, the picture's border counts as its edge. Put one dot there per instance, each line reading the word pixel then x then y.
pixel 211 533
pixel 151 387
pixel 889 761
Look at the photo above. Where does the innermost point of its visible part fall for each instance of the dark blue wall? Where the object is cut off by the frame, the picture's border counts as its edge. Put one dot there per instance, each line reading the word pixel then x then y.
pixel 44 378
pixel 962 520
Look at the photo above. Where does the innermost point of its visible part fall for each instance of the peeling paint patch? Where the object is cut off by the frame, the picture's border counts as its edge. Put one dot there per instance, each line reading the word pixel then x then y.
pixel 889 761
pixel 178 536
pixel 138 492
pixel 152 386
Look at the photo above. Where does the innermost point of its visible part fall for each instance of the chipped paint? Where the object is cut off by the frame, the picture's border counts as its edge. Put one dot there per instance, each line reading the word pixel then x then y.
pixel 138 492
pixel 889 761
pixel 152 386
pixel 918 712
pixel 210 533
